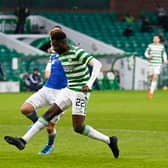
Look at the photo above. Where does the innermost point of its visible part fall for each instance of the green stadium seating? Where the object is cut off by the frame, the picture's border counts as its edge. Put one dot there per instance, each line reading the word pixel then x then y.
pixel 101 25
pixel 6 56
pixel 107 81
pixel 105 27
pixel 151 15
pixel 40 42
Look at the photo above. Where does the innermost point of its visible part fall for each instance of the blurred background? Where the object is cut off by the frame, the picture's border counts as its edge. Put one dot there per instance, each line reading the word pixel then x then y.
pixel 114 31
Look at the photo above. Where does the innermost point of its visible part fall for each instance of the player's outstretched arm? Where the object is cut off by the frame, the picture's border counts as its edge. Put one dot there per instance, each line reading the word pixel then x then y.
pixel 95 71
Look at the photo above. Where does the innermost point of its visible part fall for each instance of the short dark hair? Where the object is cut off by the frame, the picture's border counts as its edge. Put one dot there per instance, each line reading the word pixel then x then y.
pixel 58 26
pixel 57 35
pixel 59 41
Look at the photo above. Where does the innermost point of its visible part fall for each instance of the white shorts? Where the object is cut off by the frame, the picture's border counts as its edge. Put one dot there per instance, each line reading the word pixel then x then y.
pixel 44 97
pixel 154 70
pixel 78 100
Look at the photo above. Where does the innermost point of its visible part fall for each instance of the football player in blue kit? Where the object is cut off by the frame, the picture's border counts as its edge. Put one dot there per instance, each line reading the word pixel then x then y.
pixel 56 80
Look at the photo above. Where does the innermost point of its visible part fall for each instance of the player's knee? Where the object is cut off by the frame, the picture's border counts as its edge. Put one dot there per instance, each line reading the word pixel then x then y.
pixel 78 129
pixel 25 109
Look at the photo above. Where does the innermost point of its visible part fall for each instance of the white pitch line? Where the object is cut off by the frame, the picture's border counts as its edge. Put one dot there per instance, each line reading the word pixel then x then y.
pixel 135 131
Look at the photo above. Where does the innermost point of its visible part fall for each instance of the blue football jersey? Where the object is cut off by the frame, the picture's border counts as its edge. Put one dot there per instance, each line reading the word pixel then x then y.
pixel 57 79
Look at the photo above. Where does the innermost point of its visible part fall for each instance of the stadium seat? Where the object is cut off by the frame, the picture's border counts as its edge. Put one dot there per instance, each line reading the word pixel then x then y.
pixel 110 31
pixel 100 81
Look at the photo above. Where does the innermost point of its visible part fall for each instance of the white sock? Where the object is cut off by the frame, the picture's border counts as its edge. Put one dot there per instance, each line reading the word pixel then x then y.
pixel 37 126
pixel 153 86
pixel 92 133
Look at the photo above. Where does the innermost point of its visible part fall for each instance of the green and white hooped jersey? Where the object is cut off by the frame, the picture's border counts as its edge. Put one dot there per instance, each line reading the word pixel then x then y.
pixel 75 66
pixel 158 52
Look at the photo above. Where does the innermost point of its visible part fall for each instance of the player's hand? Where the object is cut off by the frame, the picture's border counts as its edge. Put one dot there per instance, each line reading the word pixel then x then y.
pixel 165 62
pixel 85 89
pixel 150 57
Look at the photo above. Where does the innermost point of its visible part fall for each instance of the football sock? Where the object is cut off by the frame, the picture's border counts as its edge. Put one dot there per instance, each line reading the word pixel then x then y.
pixel 32 116
pixel 51 137
pixel 92 133
pixel 41 123
pixel 153 86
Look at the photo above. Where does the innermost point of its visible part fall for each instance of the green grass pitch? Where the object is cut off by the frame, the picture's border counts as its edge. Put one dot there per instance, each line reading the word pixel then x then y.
pixel 141 125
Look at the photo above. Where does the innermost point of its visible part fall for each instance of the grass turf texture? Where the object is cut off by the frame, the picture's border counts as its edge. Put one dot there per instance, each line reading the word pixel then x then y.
pixel 141 125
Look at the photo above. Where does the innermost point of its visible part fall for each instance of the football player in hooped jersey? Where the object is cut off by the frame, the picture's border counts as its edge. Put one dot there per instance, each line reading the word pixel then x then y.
pixel 74 61
pixel 56 80
pixel 156 55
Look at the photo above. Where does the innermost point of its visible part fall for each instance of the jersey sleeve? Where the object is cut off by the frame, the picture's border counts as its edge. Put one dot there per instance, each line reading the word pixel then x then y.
pixel 164 54
pixel 147 51
pixel 83 56
pixel 48 66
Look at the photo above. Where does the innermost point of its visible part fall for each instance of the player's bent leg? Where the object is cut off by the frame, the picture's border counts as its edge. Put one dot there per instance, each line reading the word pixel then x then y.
pixel 28 110
pixel 40 124
pixel 48 148
pixel 153 86
pixel 20 142
pixel 52 113
pixel 79 127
